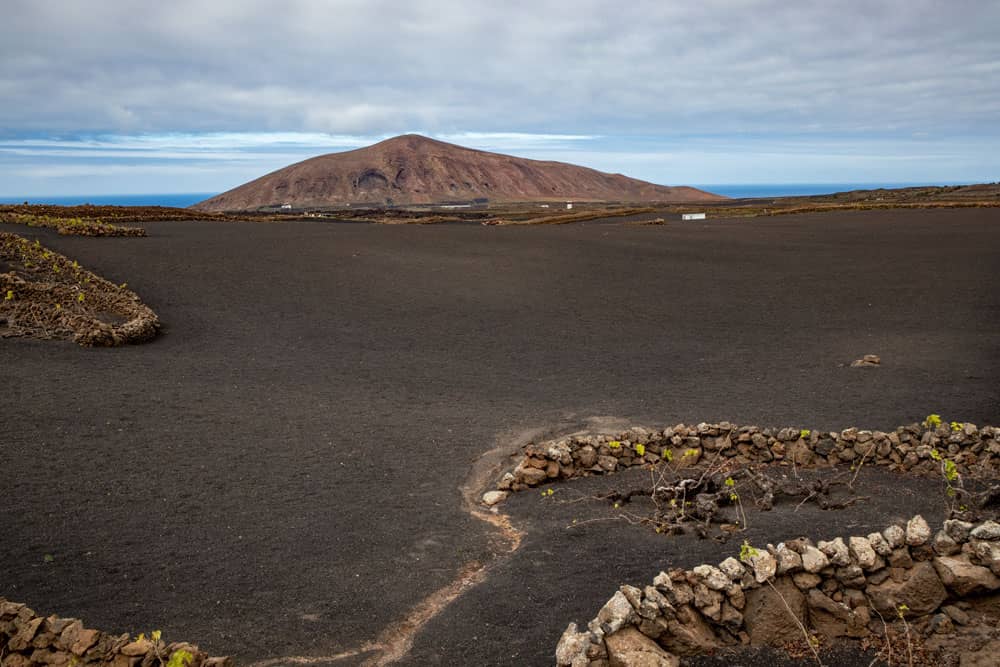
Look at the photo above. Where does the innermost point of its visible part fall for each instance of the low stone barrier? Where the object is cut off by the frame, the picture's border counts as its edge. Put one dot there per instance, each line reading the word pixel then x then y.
pixel 915 447
pixel 46 295
pixel 27 638
pixel 70 226
pixel 778 595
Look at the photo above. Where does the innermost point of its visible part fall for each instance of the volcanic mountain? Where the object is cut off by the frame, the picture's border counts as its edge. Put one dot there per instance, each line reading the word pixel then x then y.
pixel 412 169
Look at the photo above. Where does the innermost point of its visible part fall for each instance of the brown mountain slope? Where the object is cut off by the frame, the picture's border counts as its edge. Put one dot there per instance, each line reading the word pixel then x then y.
pixel 412 169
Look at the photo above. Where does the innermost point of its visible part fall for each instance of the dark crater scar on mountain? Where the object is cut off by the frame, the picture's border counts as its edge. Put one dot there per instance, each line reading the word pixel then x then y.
pixel 371 179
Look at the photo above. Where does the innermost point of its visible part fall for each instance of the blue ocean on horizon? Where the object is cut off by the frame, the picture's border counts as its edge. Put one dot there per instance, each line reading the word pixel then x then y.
pixel 734 190
pixel 175 200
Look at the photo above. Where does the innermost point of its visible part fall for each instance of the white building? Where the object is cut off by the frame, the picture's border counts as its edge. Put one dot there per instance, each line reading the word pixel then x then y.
pixel 692 216
pixel 286 207
pixel 569 205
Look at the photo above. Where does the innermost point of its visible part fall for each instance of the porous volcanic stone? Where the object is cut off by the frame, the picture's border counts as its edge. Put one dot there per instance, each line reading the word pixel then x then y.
pixel 989 531
pixel 919 589
pixel 766 616
pixel 917 531
pixel 571 651
pixel 631 648
pixel 616 613
pixel 491 498
pixel 964 578
pixel 814 560
pixel 862 552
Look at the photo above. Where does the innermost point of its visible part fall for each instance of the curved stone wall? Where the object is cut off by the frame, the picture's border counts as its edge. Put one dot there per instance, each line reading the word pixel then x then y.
pixel 779 595
pixel 915 447
pixel 27 638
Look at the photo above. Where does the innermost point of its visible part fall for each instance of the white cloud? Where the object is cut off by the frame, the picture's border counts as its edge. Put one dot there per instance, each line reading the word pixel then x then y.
pixel 782 84
pixel 251 145
pixel 593 68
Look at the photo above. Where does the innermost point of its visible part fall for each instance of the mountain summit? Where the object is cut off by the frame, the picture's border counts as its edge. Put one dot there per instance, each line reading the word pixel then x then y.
pixel 412 169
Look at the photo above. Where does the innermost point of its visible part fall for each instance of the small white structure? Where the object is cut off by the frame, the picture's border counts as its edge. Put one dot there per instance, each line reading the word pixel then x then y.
pixel 286 207
pixel 692 216
pixel 544 206
pixel 569 205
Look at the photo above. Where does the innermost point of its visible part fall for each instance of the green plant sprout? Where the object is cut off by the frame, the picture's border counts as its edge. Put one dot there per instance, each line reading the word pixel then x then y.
pixel 932 421
pixel 614 444
pixel 805 433
pixel 748 552
pixel 957 426
pixel 180 658
pixel 10 295
pixel 949 470
pixel 640 449
pixel 667 454
pixel 734 497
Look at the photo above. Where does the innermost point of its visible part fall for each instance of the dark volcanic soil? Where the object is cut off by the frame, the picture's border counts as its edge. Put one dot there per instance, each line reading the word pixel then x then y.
pixel 278 474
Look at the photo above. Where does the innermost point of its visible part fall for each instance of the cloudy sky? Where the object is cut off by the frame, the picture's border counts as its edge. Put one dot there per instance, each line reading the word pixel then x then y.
pixel 126 96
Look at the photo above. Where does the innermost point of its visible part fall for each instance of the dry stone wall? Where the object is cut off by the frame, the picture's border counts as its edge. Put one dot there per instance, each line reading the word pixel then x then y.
pixel 775 595
pixel 46 295
pixel 778 595
pixel 27 638
pixel 915 447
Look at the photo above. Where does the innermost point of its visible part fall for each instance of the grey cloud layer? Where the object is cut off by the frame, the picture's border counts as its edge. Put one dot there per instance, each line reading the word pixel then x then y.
pixel 657 68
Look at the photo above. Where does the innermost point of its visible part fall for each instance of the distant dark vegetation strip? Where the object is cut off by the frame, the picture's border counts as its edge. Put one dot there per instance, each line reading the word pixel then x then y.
pixel 579 217
pixel 71 226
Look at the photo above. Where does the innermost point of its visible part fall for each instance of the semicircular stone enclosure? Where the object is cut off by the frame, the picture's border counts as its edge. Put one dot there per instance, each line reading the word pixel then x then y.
pixel 46 295
pixel 889 588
